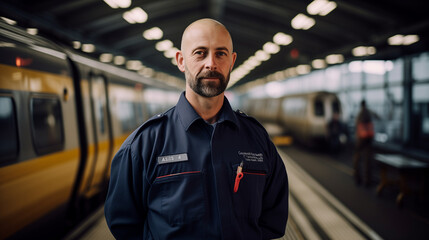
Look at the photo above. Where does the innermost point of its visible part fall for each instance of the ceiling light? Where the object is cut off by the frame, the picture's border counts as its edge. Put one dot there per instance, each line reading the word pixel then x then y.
pixel 318 63
pixel 106 57
pixel 134 65
pixel 135 15
pixel 363 51
pixel 359 51
pixel 118 3
pixel 8 20
pixel 32 31
pixel 119 60
pixel 154 33
pixel 262 56
pixel 271 48
pixel 410 39
pixel 321 7
pixel 334 58
pixel 248 66
pixel 88 48
pixel 303 69
pixel 399 39
pixel 252 61
pixel 76 44
pixel 290 72
pixel 163 45
pixel 301 21
pixel 395 40
pixel 371 50
pixel 171 52
pixel 147 72
pixel 282 39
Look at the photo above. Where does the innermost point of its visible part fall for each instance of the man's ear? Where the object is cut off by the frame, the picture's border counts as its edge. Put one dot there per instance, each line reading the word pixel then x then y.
pixel 180 61
pixel 234 57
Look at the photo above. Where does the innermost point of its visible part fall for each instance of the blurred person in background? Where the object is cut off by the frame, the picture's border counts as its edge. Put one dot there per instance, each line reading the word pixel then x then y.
pixel 363 149
pixel 336 136
pixel 199 170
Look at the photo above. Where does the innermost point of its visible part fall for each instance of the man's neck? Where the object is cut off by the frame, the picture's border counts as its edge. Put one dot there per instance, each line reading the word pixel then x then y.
pixel 207 108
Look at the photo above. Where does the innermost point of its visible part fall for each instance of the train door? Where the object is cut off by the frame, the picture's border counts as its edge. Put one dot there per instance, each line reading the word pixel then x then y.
pixel 101 132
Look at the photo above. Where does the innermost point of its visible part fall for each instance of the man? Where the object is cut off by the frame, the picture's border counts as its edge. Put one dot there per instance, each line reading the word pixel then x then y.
pixel 200 170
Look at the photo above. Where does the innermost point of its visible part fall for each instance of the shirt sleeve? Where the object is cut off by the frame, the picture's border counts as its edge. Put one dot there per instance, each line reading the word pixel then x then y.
pixel 275 203
pixel 124 211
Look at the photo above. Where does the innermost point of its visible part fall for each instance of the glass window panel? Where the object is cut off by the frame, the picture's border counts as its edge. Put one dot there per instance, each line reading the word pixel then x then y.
pixel 374 72
pixel 421 93
pixel 421 67
pixel 396 71
pixel 316 80
pixel 47 124
pixel 8 130
pixel 354 80
pixel 420 116
pixel 332 78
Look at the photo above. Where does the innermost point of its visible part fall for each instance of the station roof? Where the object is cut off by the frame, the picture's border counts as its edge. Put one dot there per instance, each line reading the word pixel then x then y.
pixel 252 23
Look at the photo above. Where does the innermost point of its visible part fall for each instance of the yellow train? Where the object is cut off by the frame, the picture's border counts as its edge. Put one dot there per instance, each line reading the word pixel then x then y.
pixel 62 118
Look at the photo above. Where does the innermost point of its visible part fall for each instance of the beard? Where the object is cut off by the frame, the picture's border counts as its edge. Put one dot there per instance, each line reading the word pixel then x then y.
pixel 210 88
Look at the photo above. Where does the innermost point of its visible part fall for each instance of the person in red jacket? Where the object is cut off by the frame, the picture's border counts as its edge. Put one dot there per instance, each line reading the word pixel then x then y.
pixel 363 150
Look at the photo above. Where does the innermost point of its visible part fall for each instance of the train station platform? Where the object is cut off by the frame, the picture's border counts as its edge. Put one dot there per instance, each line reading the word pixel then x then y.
pixel 314 213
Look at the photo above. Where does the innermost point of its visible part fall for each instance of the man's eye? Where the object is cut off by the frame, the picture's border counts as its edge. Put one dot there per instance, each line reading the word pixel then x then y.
pixel 221 54
pixel 199 52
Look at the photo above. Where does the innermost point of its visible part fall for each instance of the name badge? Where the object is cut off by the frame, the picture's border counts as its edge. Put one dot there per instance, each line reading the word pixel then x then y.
pixel 173 158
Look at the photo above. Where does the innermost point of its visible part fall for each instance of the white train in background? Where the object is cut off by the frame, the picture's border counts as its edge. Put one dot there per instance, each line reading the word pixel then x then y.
pixel 304 116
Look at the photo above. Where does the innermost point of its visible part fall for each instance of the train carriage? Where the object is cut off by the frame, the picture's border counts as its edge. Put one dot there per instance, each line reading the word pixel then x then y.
pixel 62 118
pixel 304 116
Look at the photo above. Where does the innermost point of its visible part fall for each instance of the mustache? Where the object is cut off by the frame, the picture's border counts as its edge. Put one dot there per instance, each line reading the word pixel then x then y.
pixel 210 74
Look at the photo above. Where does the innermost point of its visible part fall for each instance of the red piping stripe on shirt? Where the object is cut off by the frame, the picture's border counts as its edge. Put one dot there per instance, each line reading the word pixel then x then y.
pixel 260 174
pixel 174 174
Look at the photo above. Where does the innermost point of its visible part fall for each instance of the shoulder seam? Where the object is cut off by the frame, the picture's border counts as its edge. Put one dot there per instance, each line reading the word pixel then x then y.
pixel 254 120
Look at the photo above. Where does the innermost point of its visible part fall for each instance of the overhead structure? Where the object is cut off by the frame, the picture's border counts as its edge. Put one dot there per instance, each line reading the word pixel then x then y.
pixel 269 36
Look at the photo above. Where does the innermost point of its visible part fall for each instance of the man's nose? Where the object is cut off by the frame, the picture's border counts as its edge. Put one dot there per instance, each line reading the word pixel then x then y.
pixel 211 62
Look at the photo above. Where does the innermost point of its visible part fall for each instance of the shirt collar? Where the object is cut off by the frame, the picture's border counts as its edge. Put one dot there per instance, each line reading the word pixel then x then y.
pixel 188 115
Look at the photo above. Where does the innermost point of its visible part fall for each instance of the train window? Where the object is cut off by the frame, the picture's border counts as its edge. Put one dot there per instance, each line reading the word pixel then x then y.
pixel 336 106
pixel 8 130
pixel 99 115
pixel 319 110
pixel 47 124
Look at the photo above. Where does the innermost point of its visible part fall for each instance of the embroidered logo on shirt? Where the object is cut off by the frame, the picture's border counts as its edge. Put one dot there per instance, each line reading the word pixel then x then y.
pixel 252 157
pixel 173 158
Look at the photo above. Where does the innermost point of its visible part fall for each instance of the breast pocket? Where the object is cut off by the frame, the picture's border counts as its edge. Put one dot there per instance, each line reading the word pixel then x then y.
pixel 179 197
pixel 248 198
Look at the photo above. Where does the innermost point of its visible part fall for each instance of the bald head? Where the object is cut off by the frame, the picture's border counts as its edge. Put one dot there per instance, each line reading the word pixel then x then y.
pixel 204 26
pixel 206 57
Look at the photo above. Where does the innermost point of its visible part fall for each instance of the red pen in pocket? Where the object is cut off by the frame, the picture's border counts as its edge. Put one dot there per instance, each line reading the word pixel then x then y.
pixel 238 177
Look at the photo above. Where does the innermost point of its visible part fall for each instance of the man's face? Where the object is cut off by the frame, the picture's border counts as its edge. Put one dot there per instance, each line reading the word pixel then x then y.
pixel 207 59
pixel 207 83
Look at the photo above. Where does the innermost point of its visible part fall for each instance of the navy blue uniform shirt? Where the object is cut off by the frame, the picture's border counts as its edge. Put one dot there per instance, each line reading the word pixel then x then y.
pixel 173 178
